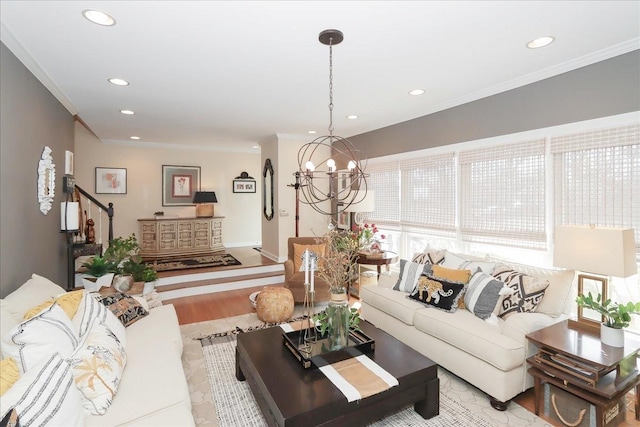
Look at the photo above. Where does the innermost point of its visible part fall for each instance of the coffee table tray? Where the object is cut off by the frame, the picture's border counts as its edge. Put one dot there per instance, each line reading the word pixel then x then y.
pixel 318 353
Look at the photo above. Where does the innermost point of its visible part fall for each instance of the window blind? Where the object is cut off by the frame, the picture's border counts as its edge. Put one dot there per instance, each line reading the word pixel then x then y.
pixel 428 194
pixel 502 198
pixel 384 179
pixel 597 178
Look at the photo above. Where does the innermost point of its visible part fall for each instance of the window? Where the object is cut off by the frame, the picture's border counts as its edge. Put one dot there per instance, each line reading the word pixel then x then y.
pixel 384 179
pixel 502 195
pixel 597 178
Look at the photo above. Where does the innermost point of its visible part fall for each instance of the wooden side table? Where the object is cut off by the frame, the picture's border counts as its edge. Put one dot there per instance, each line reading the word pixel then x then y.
pixel 386 259
pixel 572 358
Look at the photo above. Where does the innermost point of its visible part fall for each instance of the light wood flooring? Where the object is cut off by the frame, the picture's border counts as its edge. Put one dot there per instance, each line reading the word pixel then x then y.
pixel 236 302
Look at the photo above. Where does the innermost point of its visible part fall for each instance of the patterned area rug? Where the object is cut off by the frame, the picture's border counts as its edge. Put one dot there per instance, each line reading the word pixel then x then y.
pixel 460 403
pixel 217 260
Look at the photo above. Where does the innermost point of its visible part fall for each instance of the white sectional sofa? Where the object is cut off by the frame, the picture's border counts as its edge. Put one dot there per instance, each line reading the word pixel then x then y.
pixel 152 387
pixel 488 353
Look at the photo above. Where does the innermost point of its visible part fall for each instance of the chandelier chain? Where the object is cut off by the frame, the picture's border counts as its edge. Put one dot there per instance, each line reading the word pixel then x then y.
pixel 331 86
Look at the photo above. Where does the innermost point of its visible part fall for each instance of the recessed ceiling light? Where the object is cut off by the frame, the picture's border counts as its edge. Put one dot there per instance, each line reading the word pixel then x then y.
pixel 128 112
pixel 312 132
pixel 118 82
pixel 416 92
pixel 98 17
pixel 540 42
pixel 256 146
pixel 134 137
pixel 352 117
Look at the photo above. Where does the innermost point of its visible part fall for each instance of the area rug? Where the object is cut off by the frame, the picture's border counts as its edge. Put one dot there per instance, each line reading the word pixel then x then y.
pixel 460 403
pixel 217 260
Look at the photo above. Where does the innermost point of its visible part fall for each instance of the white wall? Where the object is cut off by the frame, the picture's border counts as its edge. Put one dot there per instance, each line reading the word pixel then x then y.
pixel 242 211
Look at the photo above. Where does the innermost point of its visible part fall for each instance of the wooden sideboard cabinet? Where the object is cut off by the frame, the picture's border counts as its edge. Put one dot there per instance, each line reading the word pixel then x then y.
pixel 180 236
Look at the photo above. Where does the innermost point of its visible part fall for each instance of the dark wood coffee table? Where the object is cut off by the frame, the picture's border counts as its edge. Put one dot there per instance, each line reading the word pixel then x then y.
pixel 290 395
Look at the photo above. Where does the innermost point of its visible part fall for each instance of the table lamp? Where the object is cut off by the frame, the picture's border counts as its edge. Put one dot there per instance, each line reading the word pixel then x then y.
pixel 367 204
pixel 204 201
pixel 597 250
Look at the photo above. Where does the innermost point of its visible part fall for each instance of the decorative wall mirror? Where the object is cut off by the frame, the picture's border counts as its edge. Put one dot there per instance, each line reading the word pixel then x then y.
pixel 46 180
pixel 267 189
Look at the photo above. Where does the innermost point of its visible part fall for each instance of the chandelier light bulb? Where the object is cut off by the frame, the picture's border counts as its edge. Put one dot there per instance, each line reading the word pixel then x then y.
pixel 309 166
pixel 331 164
pixel 352 165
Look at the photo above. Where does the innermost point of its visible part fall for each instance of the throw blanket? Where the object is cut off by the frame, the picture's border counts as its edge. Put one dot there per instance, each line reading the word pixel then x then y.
pixel 358 377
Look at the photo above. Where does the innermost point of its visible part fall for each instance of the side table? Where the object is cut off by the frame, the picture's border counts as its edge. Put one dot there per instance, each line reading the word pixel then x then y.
pixel 572 358
pixel 386 259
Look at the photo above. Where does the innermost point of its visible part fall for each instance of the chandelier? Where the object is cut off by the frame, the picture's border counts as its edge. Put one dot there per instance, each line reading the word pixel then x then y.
pixel 318 176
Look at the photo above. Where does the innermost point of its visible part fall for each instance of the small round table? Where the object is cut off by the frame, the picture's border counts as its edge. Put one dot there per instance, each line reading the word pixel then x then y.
pixel 387 258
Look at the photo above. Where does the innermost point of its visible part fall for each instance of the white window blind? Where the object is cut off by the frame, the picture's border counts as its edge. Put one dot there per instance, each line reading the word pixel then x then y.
pixel 384 180
pixel 597 178
pixel 503 195
pixel 428 195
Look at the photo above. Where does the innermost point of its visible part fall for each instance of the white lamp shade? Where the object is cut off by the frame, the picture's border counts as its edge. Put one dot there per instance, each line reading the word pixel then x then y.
pixel 69 210
pixel 367 204
pixel 605 251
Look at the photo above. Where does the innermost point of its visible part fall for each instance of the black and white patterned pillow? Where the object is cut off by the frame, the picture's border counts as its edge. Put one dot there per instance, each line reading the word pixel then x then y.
pixel 439 293
pixel 528 291
pixel 410 272
pixel 429 257
pixel 126 308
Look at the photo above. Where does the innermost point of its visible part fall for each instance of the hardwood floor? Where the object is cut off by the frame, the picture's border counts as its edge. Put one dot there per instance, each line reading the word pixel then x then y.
pixel 234 303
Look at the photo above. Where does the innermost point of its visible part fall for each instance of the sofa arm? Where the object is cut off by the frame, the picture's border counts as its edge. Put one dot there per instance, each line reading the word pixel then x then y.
pixel 288 269
pixel 518 325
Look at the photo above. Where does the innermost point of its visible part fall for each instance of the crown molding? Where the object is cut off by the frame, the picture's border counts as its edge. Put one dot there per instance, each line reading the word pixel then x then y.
pixel 21 53
pixel 228 148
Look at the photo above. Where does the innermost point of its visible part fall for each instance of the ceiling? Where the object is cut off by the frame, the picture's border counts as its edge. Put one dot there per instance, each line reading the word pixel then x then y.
pixel 227 75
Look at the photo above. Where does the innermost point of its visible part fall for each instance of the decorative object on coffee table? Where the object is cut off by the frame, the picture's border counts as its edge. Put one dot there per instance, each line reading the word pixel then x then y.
pixel 274 305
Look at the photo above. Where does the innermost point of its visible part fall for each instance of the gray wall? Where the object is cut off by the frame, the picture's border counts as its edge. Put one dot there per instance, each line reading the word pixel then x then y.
pixel 30 118
pixel 603 89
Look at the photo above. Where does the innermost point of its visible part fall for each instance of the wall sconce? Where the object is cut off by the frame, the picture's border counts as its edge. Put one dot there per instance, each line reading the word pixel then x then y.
pixel 204 203
pixel 69 217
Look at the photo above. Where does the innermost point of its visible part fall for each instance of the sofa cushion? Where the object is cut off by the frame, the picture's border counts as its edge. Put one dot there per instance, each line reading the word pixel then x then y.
pixel 33 292
pixel 298 250
pixel 68 301
pixel 9 374
pixel 428 257
pixel 97 365
pixel 439 293
pixel 45 395
pixel 153 381
pixel 472 335
pixel 41 336
pixel 126 308
pixel 90 312
pixel 483 294
pixel 558 295
pixel 528 291
pixel 394 303
pixel 410 272
pixel 160 325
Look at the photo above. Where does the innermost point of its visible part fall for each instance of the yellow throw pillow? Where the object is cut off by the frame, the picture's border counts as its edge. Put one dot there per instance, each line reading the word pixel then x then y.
pixel 9 374
pixel 298 250
pixel 69 302
pixel 461 276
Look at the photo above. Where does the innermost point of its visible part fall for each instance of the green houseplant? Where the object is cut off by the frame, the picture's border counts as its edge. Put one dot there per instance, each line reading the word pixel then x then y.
pixel 617 316
pixel 99 272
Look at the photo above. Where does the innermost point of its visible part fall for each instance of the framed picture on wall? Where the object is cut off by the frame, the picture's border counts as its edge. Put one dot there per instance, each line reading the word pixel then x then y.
pixel 344 219
pixel 244 186
pixel 111 180
pixel 179 184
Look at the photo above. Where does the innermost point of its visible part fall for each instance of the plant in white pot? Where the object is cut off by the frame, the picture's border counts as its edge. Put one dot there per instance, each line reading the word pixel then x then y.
pixel 617 316
pixel 99 272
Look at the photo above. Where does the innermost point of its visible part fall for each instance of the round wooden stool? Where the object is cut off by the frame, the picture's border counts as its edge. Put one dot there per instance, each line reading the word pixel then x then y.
pixel 274 305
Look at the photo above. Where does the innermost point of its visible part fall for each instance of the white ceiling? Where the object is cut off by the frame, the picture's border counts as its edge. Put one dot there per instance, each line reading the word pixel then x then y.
pixel 229 74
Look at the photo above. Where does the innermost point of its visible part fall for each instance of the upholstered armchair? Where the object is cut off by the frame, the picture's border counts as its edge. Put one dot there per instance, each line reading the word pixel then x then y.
pixel 294 279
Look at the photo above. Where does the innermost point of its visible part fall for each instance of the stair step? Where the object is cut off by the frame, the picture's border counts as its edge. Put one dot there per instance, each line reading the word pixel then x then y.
pixel 219 281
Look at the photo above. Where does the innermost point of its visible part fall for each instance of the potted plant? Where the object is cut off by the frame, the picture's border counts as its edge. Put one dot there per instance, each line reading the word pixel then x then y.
pixel 99 272
pixel 121 249
pixel 322 321
pixel 617 316
pixel 149 276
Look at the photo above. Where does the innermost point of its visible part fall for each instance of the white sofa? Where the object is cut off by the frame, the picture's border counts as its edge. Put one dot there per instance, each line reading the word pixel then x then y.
pixel 153 389
pixel 489 355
